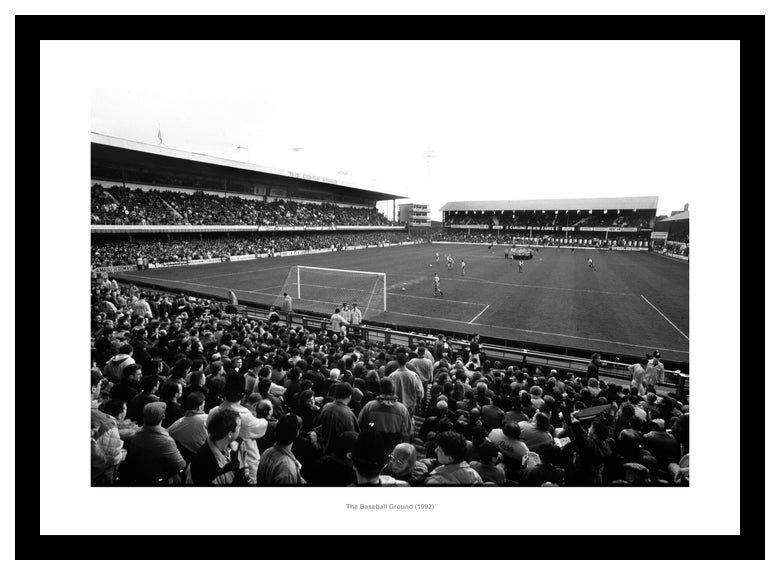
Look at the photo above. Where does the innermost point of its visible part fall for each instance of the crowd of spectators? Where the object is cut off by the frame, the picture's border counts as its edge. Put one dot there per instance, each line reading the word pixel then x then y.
pixel 184 391
pixel 548 218
pixel 677 248
pixel 121 206
pixel 541 239
pixel 112 251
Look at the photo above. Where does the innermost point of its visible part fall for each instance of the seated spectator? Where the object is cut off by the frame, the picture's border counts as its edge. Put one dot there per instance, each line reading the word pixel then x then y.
pixel 513 450
pixel 335 470
pixel 450 453
pixel 152 456
pixel 135 408
pixel 117 410
pixel 515 414
pixel 190 432
pixel 488 465
pixel 544 471
pixel 661 444
pixel 636 474
pixel 116 365
pixel 127 388
pixel 106 443
pixel 368 459
pixel 536 432
pixel 307 410
pixel 402 464
pixel 169 394
pixel 492 417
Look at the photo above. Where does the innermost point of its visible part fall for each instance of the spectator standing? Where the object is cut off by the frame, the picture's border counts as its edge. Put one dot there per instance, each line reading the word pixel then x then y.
pixel 357 315
pixel 141 307
pixel 593 448
pixel 336 321
pixel 287 308
pixel 475 351
pixel 423 367
pixel 252 428
pixel 408 385
pixel 278 465
pixel 337 417
pixel 654 372
pixel 638 372
pixel 389 417
pixel 593 366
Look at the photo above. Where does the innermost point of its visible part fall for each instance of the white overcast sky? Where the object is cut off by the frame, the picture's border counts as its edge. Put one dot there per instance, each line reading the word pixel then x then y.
pixel 505 119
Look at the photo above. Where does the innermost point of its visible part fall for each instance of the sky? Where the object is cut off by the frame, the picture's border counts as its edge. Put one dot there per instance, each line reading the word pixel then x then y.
pixel 499 119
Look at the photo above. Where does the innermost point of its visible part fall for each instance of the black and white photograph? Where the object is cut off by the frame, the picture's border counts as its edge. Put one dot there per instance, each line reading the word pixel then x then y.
pixel 470 283
pixel 457 268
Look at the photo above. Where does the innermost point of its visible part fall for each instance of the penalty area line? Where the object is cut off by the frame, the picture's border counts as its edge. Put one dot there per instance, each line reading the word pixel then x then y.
pixel 666 318
pixel 479 314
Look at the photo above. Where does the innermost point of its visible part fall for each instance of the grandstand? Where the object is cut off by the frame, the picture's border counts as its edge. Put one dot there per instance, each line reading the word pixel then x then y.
pixel 588 222
pixel 176 343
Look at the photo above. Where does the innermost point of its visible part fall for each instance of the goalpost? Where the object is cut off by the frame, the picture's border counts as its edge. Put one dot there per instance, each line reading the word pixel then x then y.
pixel 324 289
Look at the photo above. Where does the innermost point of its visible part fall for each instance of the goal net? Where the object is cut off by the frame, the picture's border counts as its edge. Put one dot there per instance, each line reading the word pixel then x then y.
pixel 324 289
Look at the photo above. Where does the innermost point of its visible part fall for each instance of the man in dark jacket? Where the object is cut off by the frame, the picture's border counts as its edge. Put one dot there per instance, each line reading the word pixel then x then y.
pixel 337 417
pixel 593 366
pixel 389 417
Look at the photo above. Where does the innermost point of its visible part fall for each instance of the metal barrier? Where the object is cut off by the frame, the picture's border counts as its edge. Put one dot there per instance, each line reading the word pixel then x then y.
pixel 515 355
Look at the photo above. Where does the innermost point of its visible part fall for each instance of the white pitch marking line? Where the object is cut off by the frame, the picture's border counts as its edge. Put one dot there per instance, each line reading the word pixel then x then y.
pixel 433 298
pixel 669 258
pixel 484 281
pixel 539 332
pixel 480 313
pixel 255 271
pixel 666 318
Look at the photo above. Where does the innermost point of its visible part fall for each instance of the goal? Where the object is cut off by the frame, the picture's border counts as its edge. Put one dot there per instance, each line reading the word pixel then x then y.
pixel 324 289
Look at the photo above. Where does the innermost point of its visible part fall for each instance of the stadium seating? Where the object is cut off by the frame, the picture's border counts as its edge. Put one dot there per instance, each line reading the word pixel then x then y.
pixel 110 251
pixel 118 205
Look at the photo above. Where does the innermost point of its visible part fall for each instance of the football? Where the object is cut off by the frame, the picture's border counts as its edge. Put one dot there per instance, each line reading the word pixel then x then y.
pixel 430 265
pixel 403 289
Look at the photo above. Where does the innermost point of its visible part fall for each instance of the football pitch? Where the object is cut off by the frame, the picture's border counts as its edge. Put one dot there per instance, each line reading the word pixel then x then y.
pixel 631 303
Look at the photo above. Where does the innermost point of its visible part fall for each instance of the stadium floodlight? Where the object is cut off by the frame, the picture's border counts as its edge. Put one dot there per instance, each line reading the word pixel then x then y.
pixel 322 289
